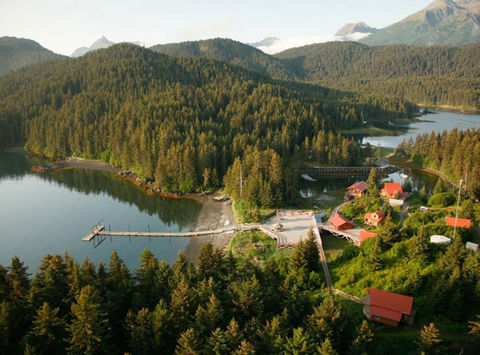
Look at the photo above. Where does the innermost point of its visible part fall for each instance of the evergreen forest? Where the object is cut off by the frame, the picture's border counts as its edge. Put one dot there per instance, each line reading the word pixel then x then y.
pixel 180 122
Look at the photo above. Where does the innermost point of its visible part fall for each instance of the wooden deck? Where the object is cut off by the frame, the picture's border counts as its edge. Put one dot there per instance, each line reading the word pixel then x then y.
pixel 352 235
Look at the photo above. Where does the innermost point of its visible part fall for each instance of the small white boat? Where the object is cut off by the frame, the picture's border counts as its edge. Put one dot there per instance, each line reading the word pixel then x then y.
pixel 308 177
pixel 404 176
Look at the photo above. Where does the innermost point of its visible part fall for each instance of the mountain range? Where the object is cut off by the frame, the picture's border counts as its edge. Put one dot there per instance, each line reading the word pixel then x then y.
pixel 102 42
pixel 443 22
pixel 17 53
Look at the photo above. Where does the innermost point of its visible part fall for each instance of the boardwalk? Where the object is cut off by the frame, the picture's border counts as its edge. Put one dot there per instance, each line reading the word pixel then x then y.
pixel 323 260
pixel 360 170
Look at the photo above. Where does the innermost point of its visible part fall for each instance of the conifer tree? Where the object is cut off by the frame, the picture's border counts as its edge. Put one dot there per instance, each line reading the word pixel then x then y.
pixel 300 343
pixel 372 183
pixel 362 343
pixel 475 327
pixel 89 331
pixel 326 348
pixel 48 331
pixel 188 343
pixel 429 338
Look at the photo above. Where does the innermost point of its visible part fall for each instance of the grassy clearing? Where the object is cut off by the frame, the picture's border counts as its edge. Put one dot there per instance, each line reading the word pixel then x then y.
pixel 254 245
pixel 248 213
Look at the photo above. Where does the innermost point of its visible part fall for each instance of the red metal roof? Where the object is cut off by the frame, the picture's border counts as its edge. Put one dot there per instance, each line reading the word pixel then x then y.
pixel 338 220
pixel 364 235
pixel 393 188
pixel 360 185
pixel 386 313
pixel 461 222
pixel 390 302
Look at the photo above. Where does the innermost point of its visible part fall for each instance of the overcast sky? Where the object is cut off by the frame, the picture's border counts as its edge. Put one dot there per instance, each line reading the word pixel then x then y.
pixel 65 25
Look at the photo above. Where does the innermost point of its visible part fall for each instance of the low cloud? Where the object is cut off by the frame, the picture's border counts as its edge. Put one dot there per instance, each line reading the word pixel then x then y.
pixel 298 41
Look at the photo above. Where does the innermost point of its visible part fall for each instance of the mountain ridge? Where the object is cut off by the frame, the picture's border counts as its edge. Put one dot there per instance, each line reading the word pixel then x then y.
pixel 100 43
pixel 16 53
pixel 442 22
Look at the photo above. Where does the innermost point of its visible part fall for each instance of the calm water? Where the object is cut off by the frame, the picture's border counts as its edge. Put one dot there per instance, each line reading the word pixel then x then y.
pixel 50 213
pixel 437 122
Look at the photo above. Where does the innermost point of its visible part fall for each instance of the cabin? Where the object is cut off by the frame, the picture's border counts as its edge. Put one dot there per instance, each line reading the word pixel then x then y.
pixel 391 190
pixel 364 235
pixel 440 239
pixel 357 190
pixel 388 307
pixel 472 246
pixel 459 222
pixel 375 218
pixel 340 223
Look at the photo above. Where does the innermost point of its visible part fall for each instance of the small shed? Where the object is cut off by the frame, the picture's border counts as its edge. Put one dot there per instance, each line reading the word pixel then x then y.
pixel 440 239
pixel 375 218
pixel 388 307
pixel 340 223
pixel 391 190
pixel 459 222
pixel 364 235
pixel 357 190
pixel 472 246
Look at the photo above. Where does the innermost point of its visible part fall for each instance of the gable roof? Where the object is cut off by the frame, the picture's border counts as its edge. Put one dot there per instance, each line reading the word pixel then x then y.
pixel 388 302
pixel 338 220
pixel 360 185
pixel 461 222
pixel 393 188
pixel 364 235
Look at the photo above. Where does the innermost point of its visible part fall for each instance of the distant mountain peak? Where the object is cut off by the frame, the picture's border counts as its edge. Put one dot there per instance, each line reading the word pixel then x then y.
pixel 100 43
pixel 442 22
pixel 351 28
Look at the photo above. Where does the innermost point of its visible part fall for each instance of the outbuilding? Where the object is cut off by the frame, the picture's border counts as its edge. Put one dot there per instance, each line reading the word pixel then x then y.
pixel 388 307
pixel 340 223
pixel 357 190
pixel 364 235
pixel 440 239
pixel 459 222
pixel 375 218
pixel 391 190
pixel 472 246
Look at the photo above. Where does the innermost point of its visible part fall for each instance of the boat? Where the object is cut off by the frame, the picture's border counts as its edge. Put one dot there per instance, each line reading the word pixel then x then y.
pixel 404 176
pixel 308 177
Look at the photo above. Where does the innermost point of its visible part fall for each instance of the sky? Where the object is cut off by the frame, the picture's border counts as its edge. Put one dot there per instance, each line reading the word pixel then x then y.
pixel 64 25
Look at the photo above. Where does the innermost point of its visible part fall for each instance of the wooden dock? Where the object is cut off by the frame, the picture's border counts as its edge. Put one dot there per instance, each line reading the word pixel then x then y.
pixel 100 231
pixel 96 230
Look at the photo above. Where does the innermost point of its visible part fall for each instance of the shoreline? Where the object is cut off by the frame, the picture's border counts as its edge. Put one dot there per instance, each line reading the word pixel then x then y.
pixel 130 176
pixel 414 166
pixel 449 108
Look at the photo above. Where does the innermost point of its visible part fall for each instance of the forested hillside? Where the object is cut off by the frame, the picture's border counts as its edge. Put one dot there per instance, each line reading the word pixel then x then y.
pixel 229 51
pixel 17 53
pixel 429 75
pixel 454 153
pixel 181 121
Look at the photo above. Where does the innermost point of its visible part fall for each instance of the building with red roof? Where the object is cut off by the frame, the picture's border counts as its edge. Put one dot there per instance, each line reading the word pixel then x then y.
pixel 364 235
pixel 460 222
pixel 341 223
pixel 388 307
pixel 357 190
pixel 391 190
pixel 375 218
